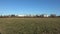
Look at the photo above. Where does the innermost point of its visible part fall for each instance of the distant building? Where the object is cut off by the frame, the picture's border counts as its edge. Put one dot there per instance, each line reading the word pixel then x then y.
pixel 44 15
pixel 20 15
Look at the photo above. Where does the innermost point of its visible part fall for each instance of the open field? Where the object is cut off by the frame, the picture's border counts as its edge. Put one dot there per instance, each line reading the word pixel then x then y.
pixel 30 25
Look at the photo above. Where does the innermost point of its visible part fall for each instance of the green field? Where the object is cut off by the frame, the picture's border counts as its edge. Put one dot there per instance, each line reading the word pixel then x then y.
pixel 30 25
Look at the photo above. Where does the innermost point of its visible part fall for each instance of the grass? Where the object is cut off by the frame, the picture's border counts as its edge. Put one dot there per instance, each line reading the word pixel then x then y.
pixel 30 25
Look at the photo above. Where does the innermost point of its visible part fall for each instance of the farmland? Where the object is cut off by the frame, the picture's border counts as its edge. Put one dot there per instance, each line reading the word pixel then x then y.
pixel 30 25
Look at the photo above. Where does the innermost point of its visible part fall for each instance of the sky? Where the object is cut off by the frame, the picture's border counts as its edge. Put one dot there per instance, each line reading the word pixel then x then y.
pixel 29 7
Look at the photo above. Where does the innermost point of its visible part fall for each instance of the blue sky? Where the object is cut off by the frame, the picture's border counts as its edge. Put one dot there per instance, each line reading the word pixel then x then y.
pixel 29 7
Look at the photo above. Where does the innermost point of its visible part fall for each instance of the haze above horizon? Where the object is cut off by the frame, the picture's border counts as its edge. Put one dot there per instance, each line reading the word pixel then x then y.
pixel 29 7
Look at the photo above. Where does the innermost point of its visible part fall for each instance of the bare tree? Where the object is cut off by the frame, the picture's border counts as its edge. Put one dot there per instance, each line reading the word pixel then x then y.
pixel 53 15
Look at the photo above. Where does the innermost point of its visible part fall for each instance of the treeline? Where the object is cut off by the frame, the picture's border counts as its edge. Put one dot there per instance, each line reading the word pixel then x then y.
pixel 30 16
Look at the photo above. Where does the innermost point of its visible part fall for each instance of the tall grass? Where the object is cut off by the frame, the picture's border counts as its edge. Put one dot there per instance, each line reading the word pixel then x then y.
pixel 30 25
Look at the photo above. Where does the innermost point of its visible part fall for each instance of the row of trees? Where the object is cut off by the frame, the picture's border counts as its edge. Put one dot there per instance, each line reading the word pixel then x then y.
pixel 43 15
